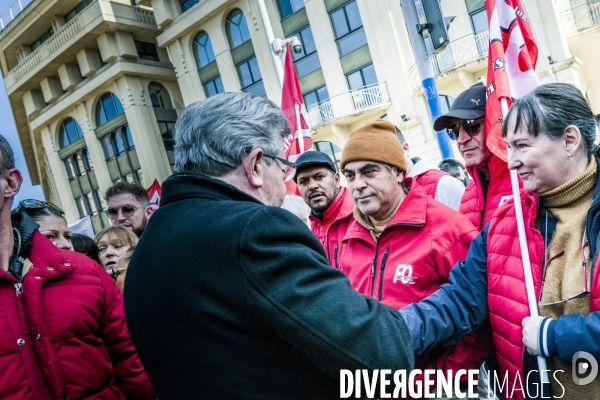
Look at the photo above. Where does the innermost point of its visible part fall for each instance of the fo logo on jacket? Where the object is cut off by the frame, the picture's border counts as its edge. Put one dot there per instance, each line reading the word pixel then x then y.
pixel 404 274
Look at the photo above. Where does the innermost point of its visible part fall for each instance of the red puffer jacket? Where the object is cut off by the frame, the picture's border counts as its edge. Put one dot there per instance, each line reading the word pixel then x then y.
pixel 411 260
pixel 63 332
pixel 473 205
pixel 331 229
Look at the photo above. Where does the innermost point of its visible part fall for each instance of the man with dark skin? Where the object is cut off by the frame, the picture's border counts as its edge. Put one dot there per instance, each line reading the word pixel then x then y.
pixel 330 203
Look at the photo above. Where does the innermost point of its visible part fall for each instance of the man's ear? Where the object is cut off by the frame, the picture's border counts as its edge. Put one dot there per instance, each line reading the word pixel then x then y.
pixel 13 179
pixel 254 168
pixel 149 211
pixel 336 177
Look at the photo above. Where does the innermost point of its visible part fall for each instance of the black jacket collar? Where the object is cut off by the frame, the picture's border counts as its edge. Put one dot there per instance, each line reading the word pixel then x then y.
pixel 189 185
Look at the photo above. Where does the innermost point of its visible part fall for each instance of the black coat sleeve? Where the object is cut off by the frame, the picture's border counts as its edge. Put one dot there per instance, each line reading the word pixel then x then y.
pixel 292 291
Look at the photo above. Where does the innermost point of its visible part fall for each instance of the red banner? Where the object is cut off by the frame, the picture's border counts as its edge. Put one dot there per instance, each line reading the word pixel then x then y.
pixel 292 104
pixel 511 65
pixel 154 192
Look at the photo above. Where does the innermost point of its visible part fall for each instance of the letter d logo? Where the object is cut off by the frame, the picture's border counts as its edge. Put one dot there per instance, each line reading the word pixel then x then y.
pixel 583 367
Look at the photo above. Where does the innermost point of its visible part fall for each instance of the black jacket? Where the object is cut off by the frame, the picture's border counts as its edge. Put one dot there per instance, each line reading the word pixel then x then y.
pixel 227 298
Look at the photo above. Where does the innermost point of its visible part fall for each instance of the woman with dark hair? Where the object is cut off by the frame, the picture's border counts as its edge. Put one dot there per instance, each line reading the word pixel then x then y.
pixel 550 134
pixel 73 340
pixel 85 245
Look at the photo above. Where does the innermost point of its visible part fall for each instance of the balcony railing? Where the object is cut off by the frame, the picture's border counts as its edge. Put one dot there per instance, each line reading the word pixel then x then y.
pixel 15 9
pixel 459 52
pixel 346 104
pixel 580 18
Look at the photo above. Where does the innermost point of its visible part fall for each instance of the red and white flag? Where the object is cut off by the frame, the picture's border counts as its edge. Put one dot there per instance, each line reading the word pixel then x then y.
pixel 511 65
pixel 292 105
pixel 154 192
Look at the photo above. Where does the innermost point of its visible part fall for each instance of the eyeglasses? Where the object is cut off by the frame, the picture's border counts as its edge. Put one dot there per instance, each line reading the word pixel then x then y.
pixel 33 204
pixel 127 211
pixel 471 126
pixel 115 272
pixel 281 160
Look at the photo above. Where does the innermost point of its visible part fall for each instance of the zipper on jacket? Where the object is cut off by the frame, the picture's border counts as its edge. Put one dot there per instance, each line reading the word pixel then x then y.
pixel 373 270
pixel 383 260
pixel 335 255
pixel 19 288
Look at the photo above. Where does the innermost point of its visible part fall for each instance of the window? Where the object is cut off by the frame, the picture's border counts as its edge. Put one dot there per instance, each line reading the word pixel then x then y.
pixel 473 5
pixel 446 102
pixel 187 4
pixel 307 61
pixel 70 131
pixel 77 9
pixel 250 77
pixel 108 108
pixel 81 175
pixel 203 50
pixel 159 96
pixel 146 51
pixel 316 96
pixel 331 150
pixel 237 30
pixel 362 77
pixel 288 7
pixel 214 86
pixel 347 28
pixel 167 132
pixel 121 157
pixel 45 36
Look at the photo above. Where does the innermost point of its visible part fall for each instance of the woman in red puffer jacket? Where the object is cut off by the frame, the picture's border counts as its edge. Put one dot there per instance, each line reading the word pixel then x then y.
pixel 61 319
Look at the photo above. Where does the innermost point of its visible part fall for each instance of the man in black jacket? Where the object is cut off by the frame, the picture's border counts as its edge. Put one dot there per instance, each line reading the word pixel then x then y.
pixel 227 295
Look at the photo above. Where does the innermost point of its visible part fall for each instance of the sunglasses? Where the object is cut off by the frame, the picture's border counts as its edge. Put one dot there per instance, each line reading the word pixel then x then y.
pixel 115 272
pixel 471 126
pixel 281 160
pixel 127 211
pixel 33 204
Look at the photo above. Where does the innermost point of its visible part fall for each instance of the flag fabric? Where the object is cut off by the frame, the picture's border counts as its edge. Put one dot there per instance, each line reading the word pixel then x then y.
pixel 154 192
pixel 292 105
pixel 83 227
pixel 511 65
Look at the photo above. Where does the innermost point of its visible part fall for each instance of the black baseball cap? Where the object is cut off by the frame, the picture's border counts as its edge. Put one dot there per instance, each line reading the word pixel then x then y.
pixel 470 104
pixel 310 158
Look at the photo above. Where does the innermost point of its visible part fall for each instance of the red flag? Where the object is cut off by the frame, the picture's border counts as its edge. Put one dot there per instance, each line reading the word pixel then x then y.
pixel 511 65
pixel 154 192
pixel 292 104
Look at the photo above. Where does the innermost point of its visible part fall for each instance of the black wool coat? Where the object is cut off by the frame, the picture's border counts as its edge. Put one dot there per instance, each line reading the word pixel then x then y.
pixel 227 298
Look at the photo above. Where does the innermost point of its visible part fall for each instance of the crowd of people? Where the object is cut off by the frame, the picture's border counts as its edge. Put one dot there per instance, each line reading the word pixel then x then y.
pixel 403 265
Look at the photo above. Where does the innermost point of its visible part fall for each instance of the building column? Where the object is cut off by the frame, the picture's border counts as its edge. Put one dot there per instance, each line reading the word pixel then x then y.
pixel 59 175
pixel 144 130
pixel 186 72
pixel 326 47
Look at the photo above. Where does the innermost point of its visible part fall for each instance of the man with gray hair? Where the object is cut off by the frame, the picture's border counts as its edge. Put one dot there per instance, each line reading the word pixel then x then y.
pixel 229 297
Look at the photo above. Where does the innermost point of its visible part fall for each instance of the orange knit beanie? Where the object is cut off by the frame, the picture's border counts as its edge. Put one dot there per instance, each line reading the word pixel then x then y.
pixel 375 141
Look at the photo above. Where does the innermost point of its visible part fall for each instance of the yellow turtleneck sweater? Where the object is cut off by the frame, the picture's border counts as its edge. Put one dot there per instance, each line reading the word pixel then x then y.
pixel 569 204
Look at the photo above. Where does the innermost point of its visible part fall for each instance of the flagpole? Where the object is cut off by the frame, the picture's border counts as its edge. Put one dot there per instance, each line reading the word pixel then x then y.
pixel 299 134
pixel 540 46
pixel 531 298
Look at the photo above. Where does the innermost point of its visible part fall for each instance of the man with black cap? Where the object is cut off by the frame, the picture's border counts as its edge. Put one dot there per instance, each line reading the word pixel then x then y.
pixel 330 203
pixel 490 185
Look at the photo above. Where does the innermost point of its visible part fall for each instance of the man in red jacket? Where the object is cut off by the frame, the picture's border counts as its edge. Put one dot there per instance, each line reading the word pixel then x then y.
pixel 400 244
pixel 490 185
pixel 330 203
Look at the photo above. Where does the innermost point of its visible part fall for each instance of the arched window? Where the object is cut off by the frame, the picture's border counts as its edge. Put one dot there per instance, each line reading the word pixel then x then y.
pixel 108 108
pixel 237 29
pixel 203 50
pixel 70 131
pixel 159 96
pixel 121 157
pixel 81 174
